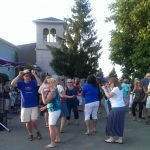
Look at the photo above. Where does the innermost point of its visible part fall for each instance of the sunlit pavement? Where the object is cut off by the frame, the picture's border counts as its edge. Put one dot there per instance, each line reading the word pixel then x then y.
pixel 136 136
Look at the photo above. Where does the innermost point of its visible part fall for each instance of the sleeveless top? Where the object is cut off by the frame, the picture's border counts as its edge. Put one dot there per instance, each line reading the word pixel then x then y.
pixel 139 95
pixel 54 104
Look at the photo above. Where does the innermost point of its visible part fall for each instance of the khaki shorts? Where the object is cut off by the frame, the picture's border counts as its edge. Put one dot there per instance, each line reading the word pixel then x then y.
pixel 28 114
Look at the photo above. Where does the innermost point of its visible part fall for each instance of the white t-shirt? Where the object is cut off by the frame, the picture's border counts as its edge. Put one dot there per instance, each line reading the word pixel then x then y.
pixel 117 99
pixel 60 89
pixel 43 86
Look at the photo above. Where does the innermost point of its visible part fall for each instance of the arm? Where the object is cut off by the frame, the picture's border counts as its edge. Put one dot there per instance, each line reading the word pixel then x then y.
pixel 43 108
pixel 36 77
pixel 66 96
pixel 109 95
pixel 14 81
pixel 49 97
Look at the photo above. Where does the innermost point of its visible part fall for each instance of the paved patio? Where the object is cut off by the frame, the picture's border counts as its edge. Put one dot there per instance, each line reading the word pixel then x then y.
pixel 137 136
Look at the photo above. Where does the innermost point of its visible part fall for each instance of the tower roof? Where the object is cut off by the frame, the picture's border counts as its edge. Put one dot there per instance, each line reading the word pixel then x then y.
pixel 49 20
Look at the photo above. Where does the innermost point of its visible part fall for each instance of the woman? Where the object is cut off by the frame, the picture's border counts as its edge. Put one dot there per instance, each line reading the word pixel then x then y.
pixel 91 94
pixel 63 104
pixel 79 91
pixel 115 121
pixel 43 107
pixel 53 105
pixel 72 102
pixel 139 98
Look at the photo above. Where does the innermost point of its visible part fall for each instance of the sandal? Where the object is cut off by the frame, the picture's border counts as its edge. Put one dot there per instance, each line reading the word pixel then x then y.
pixel 94 131
pixel 61 131
pixel 57 141
pixel 30 137
pixel 38 135
pixel 87 133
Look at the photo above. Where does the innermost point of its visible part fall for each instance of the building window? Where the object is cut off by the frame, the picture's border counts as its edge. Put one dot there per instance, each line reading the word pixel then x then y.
pixel 53 35
pixel 45 35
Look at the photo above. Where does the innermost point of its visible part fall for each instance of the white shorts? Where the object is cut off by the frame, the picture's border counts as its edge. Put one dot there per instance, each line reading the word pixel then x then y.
pixel 80 100
pixel 91 109
pixel 28 114
pixel 148 102
pixel 53 117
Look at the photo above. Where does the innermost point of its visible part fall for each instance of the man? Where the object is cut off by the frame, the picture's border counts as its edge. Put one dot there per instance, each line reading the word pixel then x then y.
pixel 29 100
pixel 145 81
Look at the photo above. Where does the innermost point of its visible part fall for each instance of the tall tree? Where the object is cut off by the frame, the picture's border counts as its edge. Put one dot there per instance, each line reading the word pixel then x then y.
pixel 113 73
pixel 100 73
pixel 80 50
pixel 130 41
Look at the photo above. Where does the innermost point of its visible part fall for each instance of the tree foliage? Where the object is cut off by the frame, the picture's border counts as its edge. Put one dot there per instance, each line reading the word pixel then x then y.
pixel 130 41
pixel 113 73
pixel 100 73
pixel 80 50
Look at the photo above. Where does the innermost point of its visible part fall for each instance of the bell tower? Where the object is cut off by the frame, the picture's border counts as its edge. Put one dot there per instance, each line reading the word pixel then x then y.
pixel 47 31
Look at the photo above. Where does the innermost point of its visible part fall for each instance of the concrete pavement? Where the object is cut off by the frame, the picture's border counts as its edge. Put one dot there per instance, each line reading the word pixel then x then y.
pixel 136 136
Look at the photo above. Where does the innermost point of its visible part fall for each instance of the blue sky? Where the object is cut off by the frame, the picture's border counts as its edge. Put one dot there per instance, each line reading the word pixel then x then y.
pixel 17 27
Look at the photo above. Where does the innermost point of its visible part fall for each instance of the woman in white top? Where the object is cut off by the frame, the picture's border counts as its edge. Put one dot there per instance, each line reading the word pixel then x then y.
pixel 115 122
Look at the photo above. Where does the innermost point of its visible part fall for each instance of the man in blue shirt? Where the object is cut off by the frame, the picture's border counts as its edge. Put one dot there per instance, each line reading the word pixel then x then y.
pixel 29 100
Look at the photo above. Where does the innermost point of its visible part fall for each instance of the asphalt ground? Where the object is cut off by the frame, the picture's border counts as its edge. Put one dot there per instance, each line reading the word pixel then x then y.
pixel 136 136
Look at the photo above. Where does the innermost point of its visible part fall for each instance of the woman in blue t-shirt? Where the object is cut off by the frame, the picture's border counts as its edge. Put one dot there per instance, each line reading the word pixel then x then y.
pixel 91 94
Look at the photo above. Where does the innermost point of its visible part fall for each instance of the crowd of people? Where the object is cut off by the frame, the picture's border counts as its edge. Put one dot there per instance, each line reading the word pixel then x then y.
pixel 58 97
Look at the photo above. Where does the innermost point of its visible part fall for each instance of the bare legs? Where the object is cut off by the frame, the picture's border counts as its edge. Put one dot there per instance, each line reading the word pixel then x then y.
pixel 54 134
pixel 63 121
pixel 90 126
pixel 29 126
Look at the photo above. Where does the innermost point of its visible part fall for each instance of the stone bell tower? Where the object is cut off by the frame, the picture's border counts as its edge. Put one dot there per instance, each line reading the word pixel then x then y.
pixel 47 31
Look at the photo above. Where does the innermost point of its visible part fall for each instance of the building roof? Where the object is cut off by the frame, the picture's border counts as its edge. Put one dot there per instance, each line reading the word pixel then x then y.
pixel 48 20
pixel 9 44
pixel 27 53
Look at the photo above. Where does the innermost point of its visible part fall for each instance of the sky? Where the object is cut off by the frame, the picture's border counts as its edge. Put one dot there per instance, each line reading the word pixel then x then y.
pixel 17 25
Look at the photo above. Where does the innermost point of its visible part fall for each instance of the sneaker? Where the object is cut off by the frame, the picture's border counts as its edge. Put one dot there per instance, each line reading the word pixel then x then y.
pixel 30 137
pixel 38 135
pixel 50 146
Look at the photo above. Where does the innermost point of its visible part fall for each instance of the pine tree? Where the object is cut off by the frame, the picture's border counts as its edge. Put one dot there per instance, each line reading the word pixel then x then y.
pixel 80 50
pixel 113 73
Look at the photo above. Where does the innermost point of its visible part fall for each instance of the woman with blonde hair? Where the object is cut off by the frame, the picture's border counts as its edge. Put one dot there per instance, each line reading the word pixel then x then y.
pixel 139 98
pixel 52 100
pixel 116 117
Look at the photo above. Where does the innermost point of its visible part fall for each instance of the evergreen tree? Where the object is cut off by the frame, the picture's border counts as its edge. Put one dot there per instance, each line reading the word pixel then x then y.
pixel 100 73
pixel 113 73
pixel 80 50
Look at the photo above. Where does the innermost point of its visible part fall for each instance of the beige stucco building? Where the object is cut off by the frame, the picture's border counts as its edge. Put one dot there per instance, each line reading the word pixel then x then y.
pixel 47 31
